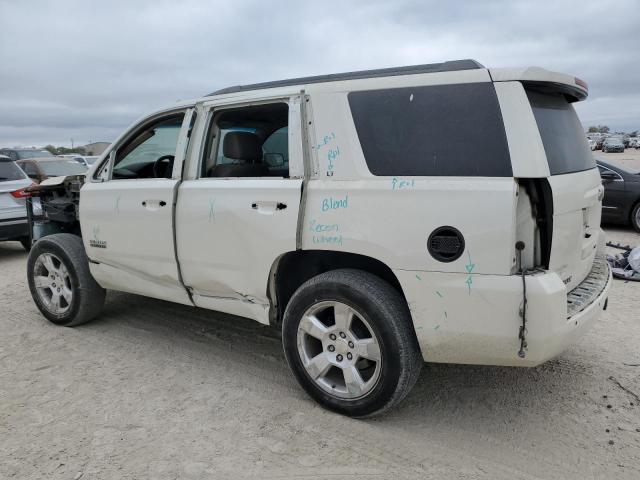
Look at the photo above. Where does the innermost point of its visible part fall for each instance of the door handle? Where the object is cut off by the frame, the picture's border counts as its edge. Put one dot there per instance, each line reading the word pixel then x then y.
pixel 268 207
pixel 153 204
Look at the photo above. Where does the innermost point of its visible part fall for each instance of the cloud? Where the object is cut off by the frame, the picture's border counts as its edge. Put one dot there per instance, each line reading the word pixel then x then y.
pixel 87 69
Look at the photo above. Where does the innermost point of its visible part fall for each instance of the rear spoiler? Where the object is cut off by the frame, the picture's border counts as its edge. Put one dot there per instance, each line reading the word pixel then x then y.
pixel 573 87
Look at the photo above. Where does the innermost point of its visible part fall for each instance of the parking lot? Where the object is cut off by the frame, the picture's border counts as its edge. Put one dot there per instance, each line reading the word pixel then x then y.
pixel 157 390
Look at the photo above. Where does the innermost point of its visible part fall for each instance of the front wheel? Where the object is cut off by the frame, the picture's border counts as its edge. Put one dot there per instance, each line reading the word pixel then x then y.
pixel 60 281
pixel 349 340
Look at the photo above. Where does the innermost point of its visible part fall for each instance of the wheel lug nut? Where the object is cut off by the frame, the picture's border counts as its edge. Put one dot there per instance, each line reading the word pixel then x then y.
pixel 332 336
pixel 339 357
pixel 349 356
pixel 342 335
pixel 58 289
pixel 331 348
pixel 350 344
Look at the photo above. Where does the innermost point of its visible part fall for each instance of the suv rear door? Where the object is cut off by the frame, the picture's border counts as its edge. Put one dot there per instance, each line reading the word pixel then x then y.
pixel 231 229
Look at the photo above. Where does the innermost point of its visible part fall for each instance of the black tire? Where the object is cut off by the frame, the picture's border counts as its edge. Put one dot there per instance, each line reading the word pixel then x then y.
pixel 87 296
pixel 26 243
pixel 635 217
pixel 388 315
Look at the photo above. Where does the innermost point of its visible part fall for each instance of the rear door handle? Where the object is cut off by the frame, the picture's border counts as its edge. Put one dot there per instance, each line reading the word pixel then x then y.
pixel 268 207
pixel 153 204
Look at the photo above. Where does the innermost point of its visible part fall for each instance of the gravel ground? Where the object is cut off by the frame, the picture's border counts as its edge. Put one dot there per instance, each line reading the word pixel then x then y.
pixel 161 391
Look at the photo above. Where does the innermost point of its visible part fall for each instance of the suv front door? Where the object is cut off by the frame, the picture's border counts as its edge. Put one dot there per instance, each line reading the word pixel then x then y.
pixel 126 210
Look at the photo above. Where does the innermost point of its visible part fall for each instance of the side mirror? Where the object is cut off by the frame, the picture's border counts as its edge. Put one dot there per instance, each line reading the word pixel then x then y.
pixel 273 159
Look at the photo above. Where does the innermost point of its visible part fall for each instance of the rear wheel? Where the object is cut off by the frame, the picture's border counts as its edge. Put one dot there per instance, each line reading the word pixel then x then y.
pixel 349 340
pixel 60 281
pixel 635 217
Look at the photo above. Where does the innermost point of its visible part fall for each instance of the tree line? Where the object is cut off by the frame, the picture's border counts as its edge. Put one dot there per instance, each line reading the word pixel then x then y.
pixel 606 129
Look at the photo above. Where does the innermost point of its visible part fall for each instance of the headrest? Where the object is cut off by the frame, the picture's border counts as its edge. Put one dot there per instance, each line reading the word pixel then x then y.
pixel 243 146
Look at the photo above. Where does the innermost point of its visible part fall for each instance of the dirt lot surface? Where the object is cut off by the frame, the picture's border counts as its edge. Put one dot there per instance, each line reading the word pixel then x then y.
pixel 160 391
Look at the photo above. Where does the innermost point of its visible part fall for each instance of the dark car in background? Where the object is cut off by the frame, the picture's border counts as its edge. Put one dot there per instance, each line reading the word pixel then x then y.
pixel 621 202
pixel 39 169
pixel 13 211
pixel 24 153
pixel 613 144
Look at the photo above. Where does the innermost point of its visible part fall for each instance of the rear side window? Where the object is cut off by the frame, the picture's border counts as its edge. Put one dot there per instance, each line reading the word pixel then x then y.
pixel 440 130
pixel 10 171
pixel 562 135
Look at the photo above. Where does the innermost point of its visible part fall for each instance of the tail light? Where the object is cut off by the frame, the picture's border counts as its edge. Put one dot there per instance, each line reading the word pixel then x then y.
pixel 22 193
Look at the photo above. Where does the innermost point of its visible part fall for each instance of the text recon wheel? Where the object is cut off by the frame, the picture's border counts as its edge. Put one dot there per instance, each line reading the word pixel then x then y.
pixel 349 340
pixel 60 282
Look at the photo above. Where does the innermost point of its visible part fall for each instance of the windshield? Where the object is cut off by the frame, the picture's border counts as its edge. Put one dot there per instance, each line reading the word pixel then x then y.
pixel 10 171
pixel 57 168
pixel 613 141
pixel 561 132
pixel 22 154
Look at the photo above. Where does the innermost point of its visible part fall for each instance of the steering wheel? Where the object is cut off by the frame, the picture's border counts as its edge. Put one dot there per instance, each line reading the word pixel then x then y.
pixel 157 173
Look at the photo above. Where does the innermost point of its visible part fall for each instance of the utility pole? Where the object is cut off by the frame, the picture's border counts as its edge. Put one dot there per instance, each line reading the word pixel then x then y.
pixel 72 143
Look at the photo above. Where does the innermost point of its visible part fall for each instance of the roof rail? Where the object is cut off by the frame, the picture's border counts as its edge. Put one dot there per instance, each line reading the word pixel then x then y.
pixel 450 66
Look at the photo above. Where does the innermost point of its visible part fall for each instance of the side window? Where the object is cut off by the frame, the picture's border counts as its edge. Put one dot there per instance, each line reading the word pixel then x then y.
pixel 150 152
pixel 275 151
pixel 248 141
pixel 439 130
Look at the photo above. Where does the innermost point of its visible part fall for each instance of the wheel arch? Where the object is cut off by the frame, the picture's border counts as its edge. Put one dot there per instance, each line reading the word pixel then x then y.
pixel 293 268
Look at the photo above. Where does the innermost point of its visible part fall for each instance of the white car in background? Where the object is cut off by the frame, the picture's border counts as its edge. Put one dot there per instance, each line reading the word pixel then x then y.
pixel 592 144
pixel 13 212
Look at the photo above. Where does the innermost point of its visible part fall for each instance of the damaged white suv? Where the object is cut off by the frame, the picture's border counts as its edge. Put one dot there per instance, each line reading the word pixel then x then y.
pixel 439 213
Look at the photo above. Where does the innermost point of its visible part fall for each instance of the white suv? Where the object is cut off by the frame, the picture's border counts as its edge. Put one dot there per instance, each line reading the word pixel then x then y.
pixel 440 213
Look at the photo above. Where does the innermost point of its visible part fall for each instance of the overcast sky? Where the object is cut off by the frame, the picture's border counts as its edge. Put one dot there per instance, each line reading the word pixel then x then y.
pixel 87 69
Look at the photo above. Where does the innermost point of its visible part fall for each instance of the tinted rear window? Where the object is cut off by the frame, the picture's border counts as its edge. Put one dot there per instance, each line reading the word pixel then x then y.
pixel 440 130
pixel 561 132
pixel 10 171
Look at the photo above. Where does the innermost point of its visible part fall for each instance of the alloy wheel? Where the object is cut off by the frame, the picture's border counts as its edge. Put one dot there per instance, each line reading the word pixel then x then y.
pixel 53 283
pixel 339 350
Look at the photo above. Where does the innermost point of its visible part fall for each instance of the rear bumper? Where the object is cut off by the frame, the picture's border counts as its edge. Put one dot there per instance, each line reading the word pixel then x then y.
pixel 478 322
pixel 13 229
